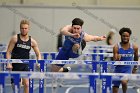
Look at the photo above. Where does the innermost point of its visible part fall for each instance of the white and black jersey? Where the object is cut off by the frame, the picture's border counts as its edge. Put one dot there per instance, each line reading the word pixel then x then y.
pixel 21 49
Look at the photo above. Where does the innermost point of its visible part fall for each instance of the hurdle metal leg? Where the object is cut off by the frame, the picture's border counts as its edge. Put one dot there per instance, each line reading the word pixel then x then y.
pixel 92 83
pixel 41 81
pixel 103 69
pixel 31 81
pixel 2 82
pixel 53 55
pixel 16 78
pixel 106 83
pixel 45 55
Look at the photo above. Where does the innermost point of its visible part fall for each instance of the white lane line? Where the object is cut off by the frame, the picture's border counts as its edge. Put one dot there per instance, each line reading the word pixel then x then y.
pixel 67 91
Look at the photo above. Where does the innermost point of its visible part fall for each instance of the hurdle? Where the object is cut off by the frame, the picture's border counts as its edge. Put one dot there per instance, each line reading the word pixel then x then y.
pixel 92 79
pixel 52 55
pixel 94 58
pixel 41 84
pixel 94 68
pixel 46 75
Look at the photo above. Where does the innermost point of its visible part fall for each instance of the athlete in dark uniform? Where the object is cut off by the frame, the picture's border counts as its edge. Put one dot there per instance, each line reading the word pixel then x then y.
pixel 21 51
pixel 19 48
pixel 74 36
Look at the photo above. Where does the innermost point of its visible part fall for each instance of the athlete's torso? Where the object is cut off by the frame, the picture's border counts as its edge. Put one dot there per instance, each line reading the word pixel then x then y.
pixel 68 44
pixel 126 55
pixel 21 49
pixel 70 41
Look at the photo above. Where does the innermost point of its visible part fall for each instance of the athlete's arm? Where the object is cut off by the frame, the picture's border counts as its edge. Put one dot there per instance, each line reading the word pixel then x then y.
pixel 88 38
pixel 116 56
pixel 10 48
pixel 36 49
pixel 67 31
pixel 136 57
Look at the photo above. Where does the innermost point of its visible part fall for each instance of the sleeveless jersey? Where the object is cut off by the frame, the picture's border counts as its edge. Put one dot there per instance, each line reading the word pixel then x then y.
pixel 66 51
pixel 21 49
pixel 70 41
pixel 126 55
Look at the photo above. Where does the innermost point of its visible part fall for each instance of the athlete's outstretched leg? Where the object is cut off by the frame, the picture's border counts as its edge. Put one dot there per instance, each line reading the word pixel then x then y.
pixel 56 68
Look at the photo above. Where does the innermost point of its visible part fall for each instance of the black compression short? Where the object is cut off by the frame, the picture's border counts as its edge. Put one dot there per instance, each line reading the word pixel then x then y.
pixel 19 67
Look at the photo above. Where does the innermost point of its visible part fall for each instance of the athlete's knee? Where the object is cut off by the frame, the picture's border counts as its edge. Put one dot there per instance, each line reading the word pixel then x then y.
pixel 55 68
pixel 124 82
pixel 26 83
pixel 115 89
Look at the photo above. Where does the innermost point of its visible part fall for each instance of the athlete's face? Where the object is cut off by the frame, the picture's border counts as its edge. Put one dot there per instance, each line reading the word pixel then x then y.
pixel 125 37
pixel 24 29
pixel 76 29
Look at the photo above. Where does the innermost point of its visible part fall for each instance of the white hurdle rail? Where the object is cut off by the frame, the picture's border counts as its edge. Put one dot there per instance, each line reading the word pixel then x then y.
pixel 106 86
pixel 52 55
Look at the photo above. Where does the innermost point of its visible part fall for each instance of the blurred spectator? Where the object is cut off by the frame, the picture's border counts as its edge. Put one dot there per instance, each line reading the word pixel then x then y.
pixel 110 41
pixel 110 35
pixel 60 40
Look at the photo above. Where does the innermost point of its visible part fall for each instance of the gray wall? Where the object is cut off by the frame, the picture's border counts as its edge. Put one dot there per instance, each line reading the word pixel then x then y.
pixel 46 21
pixel 79 2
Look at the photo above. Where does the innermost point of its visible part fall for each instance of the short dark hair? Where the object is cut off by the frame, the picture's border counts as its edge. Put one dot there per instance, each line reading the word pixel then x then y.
pixel 122 30
pixel 77 21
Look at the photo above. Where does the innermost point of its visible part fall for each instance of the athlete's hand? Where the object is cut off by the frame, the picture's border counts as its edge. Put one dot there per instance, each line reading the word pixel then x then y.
pixel 134 71
pixel 103 38
pixel 117 57
pixel 37 65
pixel 75 48
pixel 9 66
pixel 76 35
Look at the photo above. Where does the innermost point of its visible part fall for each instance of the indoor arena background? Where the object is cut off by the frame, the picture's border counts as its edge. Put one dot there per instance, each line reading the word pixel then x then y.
pixel 48 16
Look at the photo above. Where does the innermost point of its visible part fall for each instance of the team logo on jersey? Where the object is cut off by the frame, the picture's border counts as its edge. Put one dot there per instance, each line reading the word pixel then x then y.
pixel 131 63
pixel 72 40
pixel 23 46
pixel 126 55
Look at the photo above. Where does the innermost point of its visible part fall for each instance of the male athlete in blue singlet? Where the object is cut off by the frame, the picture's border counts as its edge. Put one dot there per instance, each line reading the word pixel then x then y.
pixel 19 48
pixel 124 51
pixel 75 38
